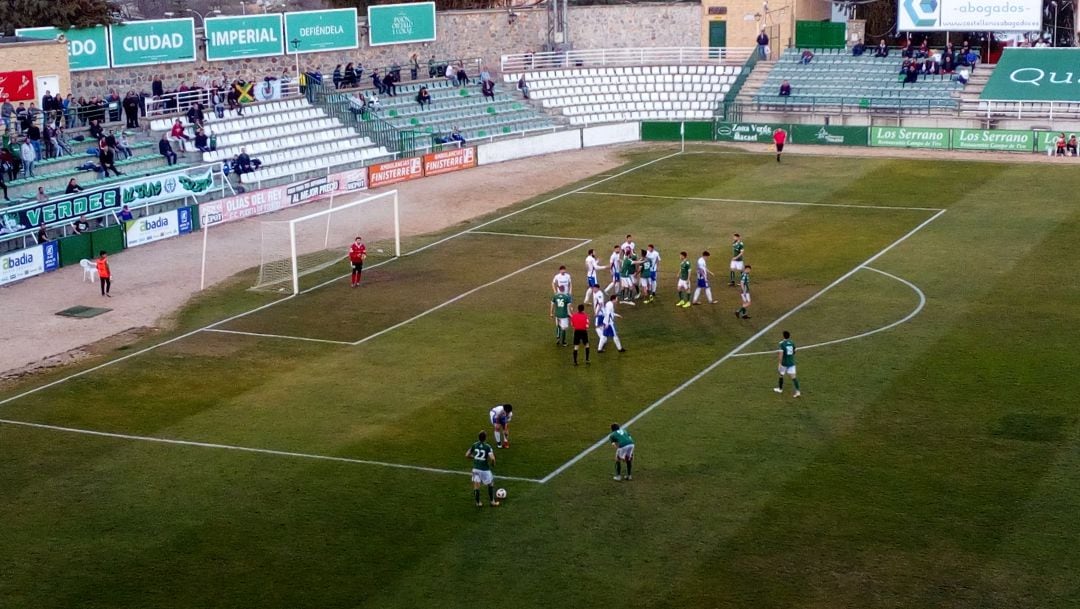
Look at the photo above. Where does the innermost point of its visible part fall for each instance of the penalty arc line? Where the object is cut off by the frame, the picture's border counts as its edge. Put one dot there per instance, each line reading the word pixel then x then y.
pixel 918 309
pixel 466 294
pixel 761 202
pixel 249 449
pixel 676 391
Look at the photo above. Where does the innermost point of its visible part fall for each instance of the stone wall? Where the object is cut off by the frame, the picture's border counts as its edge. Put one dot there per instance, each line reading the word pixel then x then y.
pixel 461 34
pixel 43 57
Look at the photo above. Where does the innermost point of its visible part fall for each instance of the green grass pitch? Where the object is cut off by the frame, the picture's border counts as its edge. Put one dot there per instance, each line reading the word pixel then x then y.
pixel 933 463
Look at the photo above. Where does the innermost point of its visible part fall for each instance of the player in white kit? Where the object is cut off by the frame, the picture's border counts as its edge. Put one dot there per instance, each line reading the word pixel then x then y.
pixel 613 267
pixel 598 309
pixel 703 274
pixel 562 279
pixel 654 256
pixel 609 326
pixel 590 275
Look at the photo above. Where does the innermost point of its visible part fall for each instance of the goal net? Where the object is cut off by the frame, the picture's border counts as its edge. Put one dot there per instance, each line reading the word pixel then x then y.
pixel 292 249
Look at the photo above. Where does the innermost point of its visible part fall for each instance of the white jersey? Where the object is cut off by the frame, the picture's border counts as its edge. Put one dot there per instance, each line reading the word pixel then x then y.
pixel 629 244
pixel 598 303
pixel 590 266
pixel 702 268
pixel 654 257
pixel 609 313
pixel 613 263
pixel 499 411
pixel 562 280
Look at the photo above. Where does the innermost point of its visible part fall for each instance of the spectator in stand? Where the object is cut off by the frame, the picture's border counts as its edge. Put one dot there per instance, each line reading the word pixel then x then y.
pixel 423 97
pixel 371 102
pixel 948 52
pixel 109 139
pixel 233 98
pixel 218 99
pixel 462 77
pixel 108 161
pixel 858 49
pixel 785 89
pixel 125 214
pixel 432 69
pixel 157 89
pixel 131 110
pixel 46 104
pixel 912 73
pixel 923 51
pixel 806 57
pixel 33 133
pixel 523 87
pixel 96 130
pixel 165 149
pixel 485 75
pixel 21 117
pixel 123 146
pixel 48 140
pixel 7 113
pixel 763 44
pixel 390 83
pixel 488 89
pixel 337 76
pixel 71 110
pixel 948 66
pixel 72 187
pixel 80 225
pixel 970 58
pixel 26 151
pixel 963 75
pixel 41 197
pixel 195 115
pixel 244 163
pixel 202 143
pixel 455 136
pixel 177 134
pixel 929 66
pixel 1071 145
pixel 414 66
pixel 43 233
pixel 451 76
pixel 3 185
pixel 907 50
pixel 349 78
pixel 377 82
pixel 9 164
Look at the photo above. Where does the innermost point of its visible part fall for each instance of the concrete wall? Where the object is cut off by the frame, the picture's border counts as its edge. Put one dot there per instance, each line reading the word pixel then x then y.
pixel 462 34
pixel 43 57
pixel 745 19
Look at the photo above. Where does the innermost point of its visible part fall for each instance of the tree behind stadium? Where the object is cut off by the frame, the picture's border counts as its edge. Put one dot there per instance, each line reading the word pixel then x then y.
pixel 63 14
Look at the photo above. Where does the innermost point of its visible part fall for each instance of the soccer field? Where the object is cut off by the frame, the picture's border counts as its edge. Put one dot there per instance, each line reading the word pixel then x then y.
pixel 309 451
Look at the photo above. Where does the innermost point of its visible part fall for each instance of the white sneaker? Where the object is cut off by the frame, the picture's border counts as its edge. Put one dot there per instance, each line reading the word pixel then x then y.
pixel 617 478
pixel 778 390
pixel 796 394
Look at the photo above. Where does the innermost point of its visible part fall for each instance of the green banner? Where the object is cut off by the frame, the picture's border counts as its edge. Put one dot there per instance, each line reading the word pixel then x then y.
pixel 1035 75
pixel 143 43
pixel 318 31
pixel 88 48
pixel 244 36
pixel 829 135
pixel 909 137
pixel 401 23
pixel 747 132
pixel 993 139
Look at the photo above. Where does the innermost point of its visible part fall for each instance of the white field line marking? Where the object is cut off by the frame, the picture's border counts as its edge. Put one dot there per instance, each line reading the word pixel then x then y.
pixel 742 346
pixel 526 235
pixel 248 449
pixel 282 336
pixel 918 309
pixel 760 202
pixel 468 293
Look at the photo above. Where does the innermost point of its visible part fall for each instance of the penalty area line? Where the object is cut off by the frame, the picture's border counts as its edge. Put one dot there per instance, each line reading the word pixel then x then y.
pixel 918 309
pixel 526 235
pixel 250 449
pixel 281 336
pixel 730 354
pixel 761 202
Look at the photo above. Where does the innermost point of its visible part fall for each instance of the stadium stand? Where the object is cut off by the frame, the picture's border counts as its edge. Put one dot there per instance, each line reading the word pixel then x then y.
pixel 288 137
pixel 836 78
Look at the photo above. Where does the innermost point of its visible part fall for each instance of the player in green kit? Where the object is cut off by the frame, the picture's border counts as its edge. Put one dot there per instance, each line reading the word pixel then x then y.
pixel 646 277
pixel 626 275
pixel 744 283
pixel 483 457
pixel 624 451
pixel 786 360
pixel 560 312
pixel 737 257
pixel 684 281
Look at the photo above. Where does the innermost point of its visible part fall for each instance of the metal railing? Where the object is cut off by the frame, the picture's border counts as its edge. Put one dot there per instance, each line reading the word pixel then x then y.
pixel 592 58
pixel 1005 108
pixel 364 121
pixel 736 87
pixel 853 105
pixel 433 71
pixel 178 102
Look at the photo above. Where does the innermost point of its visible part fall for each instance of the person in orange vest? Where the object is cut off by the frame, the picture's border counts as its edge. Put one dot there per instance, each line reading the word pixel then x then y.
pixel 104 274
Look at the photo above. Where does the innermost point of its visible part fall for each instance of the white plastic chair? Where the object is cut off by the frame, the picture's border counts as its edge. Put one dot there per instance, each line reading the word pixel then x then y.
pixel 89 270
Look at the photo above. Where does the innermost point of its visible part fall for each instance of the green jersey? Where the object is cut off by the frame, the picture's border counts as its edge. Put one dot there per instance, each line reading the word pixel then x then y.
pixel 628 266
pixel 744 280
pixel 562 305
pixel 480 452
pixel 787 350
pixel 646 266
pixel 736 250
pixel 684 270
pixel 621 438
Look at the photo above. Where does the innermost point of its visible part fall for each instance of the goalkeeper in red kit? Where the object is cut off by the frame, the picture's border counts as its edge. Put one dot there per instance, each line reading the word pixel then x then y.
pixel 357 254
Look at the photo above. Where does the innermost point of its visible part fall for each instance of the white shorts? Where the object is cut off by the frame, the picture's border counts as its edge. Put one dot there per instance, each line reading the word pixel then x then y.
pixel 788 370
pixel 623 453
pixel 483 476
pixel 626 282
pixel 564 322
pixel 746 297
pixel 645 282
pixel 684 285
pixel 737 265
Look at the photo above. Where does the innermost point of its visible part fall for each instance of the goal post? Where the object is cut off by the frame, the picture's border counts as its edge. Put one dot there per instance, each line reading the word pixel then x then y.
pixel 291 249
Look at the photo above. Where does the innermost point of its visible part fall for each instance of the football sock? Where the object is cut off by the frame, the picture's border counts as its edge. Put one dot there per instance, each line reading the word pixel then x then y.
pixel 358 277
pixel 498 438
pixel 780 383
pixel 629 466
pixel 680 295
pixel 618 467
pixel 618 345
pixel 603 341
pixel 795 381
pixel 476 493
pixel 562 336
pixel 586 354
pixel 491 493
pixel 742 310
pixel 575 354
pixel 697 292
pixel 731 274
pixel 708 294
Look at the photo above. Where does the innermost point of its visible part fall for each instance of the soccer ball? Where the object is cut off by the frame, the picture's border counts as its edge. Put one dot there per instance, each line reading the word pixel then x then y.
pixel 500 494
